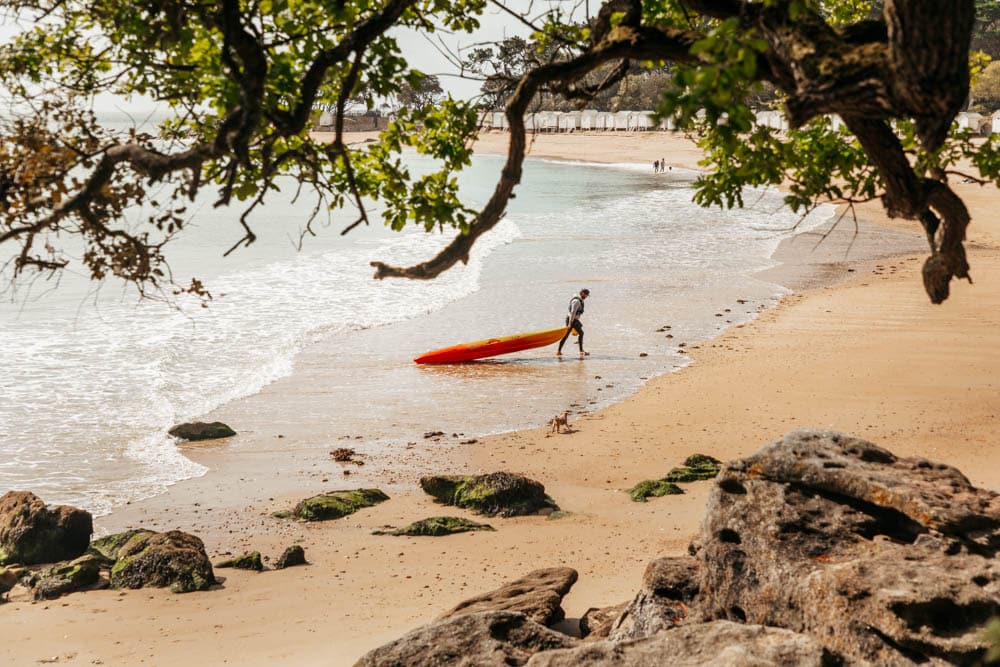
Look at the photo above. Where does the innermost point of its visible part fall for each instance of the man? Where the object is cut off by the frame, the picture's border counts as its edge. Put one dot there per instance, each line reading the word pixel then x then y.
pixel 573 320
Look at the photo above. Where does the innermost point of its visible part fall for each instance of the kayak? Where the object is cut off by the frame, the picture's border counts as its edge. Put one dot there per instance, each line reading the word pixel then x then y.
pixel 491 347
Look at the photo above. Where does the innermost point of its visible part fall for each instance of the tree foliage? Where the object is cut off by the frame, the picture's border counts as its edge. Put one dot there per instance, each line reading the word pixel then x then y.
pixel 243 76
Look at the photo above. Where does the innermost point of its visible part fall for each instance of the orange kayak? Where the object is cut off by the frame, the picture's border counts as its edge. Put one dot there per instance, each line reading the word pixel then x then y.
pixel 491 347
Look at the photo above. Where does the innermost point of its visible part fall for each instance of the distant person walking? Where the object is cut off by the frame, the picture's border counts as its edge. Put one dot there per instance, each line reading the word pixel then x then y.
pixel 656 166
pixel 573 321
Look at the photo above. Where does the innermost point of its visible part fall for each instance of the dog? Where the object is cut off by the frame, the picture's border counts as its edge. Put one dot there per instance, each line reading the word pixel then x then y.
pixel 559 423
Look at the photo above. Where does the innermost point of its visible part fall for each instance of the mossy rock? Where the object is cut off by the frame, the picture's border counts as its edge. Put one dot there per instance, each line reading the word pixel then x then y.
pixel 173 559
pixel 337 504
pixel 437 526
pixel 293 555
pixel 702 461
pixel 65 578
pixel 248 561
pixel 201 431
pixel 32 532
pixel 696 467
pixel 109 545
pixel 653 487
pixel 494 494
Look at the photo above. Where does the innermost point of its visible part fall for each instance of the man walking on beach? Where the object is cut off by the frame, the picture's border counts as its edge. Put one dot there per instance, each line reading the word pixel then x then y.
pixel 573 321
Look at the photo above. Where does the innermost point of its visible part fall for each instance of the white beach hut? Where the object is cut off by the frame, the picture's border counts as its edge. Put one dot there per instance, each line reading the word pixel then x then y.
pixel 587 119
pixel 499 120
pixel 569 121
pixel 995 122
pixel 969 120
pixel 620 120
pixel 836 122
pixel 552 121
pixel 325 119
pixel 643 120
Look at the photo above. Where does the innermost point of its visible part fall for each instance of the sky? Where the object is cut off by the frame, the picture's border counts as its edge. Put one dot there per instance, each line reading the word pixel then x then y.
pixel 425 53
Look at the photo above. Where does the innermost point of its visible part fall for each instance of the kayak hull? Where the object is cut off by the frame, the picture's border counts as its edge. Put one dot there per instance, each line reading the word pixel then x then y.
pixel 491 347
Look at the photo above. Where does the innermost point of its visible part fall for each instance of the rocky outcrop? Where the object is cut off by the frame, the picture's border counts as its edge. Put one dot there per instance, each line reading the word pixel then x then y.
pixel 719 644
pixel 173 559
pixel 484 639
pixel 32 532
pixel 669 587
pixel 879 557
pixel 8 579
pixel 437 526
pixel 821 549
pixel 201 431
pixel 63 578
pixel 596 622
pixel 293 555
pixel 109 545
pixel 538 595
pixel 337 504
pixel 248 561
pixel 497 493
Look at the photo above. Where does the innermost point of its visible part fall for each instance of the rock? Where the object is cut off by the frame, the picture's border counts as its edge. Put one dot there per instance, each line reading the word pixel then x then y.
pixel 437 526
pixel 596 622
pixel 109 545
pixel 696 467
pixel 538 595
pixel 8 579
pixel 668 587
pixel 498 493
pixel 201 431
pixel 293 555
pixel 485 639
pixel 172 559
pixel 719 644
pixel 248 561
pixel 63 578
pixel 342 454
pixel 881 558
pixel 31 532
pixel 336 504
pixel 653 488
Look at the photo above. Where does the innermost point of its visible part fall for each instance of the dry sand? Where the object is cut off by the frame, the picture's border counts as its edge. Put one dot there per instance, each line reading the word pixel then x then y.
pixel 870 356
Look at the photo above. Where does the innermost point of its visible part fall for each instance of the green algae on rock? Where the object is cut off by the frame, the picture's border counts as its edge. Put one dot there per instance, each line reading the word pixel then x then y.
pixel 293 555
pixel 696 467
pixel 110 545
pixel 493 494
pixel 32 532
pixel 437 526
pixel 173 559
pixel 248 561
pixel 653 487
pixel 336 504
pixel 63 578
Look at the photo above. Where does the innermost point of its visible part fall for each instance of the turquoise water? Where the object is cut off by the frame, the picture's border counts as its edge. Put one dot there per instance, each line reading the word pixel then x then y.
pixel 92 377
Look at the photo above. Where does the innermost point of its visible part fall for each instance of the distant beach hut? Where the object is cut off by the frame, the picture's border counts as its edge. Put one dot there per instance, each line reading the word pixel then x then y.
pixel 587 119
pixel 325 119
pixel 643 120
pixel 668 124
pixel 969 120
pixel 620 120
pixel 602 119
pixel 836 122
pixel 530 122
pixel 550 121
pixel 995 122
pixel 569 121
pixel 499 120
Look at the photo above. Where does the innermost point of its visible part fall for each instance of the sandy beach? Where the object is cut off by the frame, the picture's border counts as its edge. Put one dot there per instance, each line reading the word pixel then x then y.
pixel 858 348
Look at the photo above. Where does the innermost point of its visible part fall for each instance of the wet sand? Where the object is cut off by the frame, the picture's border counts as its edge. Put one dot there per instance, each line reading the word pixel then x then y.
pixel 859 349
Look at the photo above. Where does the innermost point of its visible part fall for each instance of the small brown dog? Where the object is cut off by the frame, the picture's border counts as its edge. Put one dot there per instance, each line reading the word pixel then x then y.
pixel 560 423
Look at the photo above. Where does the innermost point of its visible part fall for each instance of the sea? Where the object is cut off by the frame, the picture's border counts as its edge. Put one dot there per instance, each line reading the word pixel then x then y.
pixel 92 377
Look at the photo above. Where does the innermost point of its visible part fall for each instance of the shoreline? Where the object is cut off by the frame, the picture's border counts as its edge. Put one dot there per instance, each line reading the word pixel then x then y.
pixel 826 357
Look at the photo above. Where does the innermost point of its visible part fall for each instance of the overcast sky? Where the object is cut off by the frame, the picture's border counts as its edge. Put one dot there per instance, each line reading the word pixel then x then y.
pixel 425 53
